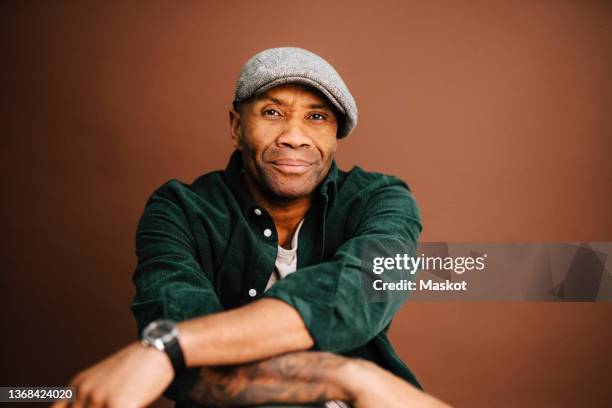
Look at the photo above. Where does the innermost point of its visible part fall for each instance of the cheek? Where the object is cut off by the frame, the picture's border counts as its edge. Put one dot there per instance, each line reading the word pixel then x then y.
pixel 251 138
pixel 258 136
pixel 328 147
pixel 334 145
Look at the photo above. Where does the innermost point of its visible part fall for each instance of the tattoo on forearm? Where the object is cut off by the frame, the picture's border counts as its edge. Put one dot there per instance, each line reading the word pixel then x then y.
pixel 301 377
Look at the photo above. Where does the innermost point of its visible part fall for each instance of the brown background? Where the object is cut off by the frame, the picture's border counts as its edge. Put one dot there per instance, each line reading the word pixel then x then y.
pixel 497 115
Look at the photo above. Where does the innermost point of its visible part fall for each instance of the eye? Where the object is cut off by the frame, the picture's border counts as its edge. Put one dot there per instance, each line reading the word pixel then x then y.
pixel 318 116
pixel 271 112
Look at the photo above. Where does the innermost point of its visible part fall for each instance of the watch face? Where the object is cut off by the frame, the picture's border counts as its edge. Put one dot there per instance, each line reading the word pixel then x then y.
pixel 163 330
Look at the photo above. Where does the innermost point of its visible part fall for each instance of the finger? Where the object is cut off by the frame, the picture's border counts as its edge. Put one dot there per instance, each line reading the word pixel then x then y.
pixel 97 399
pixel 82 395
pixel 67 403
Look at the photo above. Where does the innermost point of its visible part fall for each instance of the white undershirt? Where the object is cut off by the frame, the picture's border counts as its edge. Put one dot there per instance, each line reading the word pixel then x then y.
pixel 286 263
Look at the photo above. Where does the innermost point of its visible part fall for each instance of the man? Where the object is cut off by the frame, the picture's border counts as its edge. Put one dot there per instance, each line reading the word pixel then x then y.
pixel 260 263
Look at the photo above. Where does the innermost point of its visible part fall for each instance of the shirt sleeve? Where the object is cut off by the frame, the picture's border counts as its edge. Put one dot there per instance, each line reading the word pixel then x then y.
pixel 170 283
pixel 335 298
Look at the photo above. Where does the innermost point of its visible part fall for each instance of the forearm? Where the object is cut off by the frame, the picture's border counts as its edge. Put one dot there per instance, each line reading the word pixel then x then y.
pixel 302 377
pixel 260 330
pixel 307 377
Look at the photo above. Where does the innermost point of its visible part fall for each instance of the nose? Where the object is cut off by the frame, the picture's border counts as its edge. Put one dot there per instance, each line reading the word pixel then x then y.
pixel 294 135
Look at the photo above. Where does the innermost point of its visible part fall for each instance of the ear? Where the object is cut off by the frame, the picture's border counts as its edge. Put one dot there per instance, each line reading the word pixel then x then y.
pixel 235 129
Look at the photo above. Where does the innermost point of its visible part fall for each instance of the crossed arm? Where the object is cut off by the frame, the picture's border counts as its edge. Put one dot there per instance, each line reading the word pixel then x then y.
pixel 239 351
pixel 273 334
pixel 300 377
pixel 307 377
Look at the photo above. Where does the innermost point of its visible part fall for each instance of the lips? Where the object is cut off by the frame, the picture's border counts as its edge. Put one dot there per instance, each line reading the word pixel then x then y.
pixel 291 166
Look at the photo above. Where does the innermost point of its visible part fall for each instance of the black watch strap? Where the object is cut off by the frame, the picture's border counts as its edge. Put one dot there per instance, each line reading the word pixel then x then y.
pixel 174 351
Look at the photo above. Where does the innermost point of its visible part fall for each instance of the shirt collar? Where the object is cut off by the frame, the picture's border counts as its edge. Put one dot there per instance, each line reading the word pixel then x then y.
pixel 233 178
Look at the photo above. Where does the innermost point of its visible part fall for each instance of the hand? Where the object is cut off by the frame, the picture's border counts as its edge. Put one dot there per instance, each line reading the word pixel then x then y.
pixel 133 377
pixel 372 387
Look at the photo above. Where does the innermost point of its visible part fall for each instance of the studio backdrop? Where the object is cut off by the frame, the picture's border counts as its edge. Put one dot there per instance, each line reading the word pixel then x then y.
pixel 496 114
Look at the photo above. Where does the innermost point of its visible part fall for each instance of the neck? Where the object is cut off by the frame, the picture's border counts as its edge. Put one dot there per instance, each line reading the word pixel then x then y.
pixel 286 214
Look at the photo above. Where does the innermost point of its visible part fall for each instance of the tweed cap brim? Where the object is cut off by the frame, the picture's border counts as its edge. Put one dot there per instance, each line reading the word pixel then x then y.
pixel 284 65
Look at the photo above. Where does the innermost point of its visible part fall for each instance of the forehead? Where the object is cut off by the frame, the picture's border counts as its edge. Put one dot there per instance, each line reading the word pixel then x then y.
pixel 295 94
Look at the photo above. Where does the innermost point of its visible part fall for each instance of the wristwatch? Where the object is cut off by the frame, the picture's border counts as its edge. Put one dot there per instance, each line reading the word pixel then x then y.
pixel 163 335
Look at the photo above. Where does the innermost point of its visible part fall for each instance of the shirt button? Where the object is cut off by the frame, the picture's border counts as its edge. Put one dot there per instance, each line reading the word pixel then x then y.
pixel 257 211
pixel 267 232
pixel 252 292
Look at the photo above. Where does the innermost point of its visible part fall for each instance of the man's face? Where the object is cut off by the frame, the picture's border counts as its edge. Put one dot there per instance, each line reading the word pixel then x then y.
pixel 287 136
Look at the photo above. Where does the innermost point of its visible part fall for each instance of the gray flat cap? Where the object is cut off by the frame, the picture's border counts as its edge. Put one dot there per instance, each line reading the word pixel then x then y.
pixel 276 66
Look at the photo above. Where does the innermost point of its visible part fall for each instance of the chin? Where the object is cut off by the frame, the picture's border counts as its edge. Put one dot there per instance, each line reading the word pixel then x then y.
pixel 291 193
pixel 291 190
pixel 290 187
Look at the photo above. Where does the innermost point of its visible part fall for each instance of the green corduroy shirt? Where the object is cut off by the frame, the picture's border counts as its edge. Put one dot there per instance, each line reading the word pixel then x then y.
pixel 203 248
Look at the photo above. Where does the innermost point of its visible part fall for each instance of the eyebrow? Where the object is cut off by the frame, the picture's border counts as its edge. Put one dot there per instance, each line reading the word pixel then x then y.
pixel 311 106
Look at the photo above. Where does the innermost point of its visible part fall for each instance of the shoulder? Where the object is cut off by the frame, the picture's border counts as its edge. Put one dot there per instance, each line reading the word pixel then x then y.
pixel 359 179
pixel 204 190
pixel 365 192
pixel 364 186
